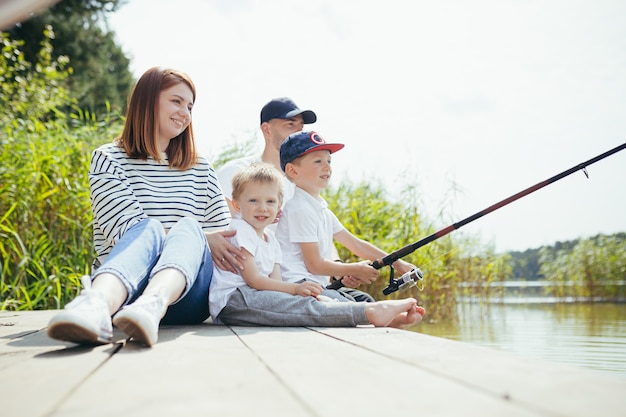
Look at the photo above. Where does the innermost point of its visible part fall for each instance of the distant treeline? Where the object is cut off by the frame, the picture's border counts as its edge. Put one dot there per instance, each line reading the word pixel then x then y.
pixel 526 265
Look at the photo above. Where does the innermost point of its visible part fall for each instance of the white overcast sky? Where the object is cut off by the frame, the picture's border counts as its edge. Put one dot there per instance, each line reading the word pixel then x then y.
pixel 492 96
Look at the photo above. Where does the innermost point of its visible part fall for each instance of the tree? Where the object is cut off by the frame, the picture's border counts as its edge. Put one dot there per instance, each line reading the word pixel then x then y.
pixel 100 78
pixel 30 90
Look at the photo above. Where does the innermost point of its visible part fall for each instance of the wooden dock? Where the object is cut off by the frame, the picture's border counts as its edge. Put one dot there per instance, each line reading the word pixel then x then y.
pixel 209 370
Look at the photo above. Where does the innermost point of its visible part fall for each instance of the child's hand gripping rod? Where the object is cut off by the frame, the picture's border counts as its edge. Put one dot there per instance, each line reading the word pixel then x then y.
pixel 407 280
pixel 416 274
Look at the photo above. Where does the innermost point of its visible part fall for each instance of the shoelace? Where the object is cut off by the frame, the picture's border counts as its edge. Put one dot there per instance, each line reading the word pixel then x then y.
pixel 155 303
pixel 87 292
pixel 86 281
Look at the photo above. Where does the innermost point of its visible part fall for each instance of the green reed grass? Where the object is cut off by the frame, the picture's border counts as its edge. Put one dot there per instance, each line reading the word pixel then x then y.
pixel 45 216
pixel 45 223
pixel 593 268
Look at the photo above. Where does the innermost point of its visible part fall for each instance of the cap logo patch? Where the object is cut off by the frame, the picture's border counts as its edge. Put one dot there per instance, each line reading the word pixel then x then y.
pixel 317 139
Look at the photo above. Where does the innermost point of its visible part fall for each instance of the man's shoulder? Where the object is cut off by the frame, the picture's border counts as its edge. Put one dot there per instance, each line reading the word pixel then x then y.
pixel 235 164
pixel 227 171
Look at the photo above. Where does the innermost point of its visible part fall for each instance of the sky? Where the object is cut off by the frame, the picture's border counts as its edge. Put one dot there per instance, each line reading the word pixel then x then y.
pixel 466 103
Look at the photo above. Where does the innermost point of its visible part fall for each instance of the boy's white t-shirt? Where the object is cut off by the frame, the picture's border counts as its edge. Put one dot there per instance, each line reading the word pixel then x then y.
pixel 305 219
pixel 266 254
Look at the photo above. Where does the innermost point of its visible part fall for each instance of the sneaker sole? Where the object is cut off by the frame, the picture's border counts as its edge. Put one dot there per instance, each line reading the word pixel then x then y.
pixel 133 328
pixel 71 332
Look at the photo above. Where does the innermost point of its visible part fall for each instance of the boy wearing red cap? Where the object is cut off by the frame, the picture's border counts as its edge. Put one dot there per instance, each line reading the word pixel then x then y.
pixel 307 226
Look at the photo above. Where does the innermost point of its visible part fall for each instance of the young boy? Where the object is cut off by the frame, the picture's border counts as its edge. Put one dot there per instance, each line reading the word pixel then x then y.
pixel 307 227
pixel 257 197
pixel 239 300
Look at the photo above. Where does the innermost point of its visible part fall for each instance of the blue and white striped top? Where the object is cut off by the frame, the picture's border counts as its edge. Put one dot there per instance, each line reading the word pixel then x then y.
pixel 126 190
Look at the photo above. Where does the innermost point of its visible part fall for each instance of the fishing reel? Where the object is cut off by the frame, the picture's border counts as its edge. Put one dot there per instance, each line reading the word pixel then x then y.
pixel 413 278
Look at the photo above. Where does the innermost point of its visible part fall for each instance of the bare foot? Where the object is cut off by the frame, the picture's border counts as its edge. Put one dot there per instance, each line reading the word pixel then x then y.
pixel 408 319
pixel 394 313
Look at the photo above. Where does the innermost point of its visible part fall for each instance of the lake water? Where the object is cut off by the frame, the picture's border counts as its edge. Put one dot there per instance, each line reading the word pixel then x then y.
pixel 591 335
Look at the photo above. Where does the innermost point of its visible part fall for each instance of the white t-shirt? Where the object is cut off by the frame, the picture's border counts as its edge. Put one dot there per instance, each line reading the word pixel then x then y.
pixel 305 219
pixel 266 254
pixel 226 172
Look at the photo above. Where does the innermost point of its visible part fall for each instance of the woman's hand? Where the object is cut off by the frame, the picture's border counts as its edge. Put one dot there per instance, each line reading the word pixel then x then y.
pixel 280 212
pixel 224 254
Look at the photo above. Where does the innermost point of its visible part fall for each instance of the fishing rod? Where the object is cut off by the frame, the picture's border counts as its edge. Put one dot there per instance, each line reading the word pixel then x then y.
pixel 415 276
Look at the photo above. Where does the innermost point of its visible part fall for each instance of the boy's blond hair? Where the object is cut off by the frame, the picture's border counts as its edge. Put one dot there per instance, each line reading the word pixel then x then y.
pixel 258 172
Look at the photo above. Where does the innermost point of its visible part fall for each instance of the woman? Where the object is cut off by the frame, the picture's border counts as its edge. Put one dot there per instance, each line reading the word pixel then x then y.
pixel 159 222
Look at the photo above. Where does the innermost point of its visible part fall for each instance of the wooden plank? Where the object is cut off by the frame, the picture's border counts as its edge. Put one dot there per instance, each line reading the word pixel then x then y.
pixel 18 324
pixel 338 378
pixel 192 370
pixel 263 371
pixel 37 372
pixel 533 384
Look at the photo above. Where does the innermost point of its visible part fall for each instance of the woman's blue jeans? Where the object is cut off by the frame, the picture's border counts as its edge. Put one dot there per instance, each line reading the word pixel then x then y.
pixel 145 249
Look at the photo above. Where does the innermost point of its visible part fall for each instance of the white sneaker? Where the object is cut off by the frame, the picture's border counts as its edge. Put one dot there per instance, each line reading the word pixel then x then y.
pixel 140 320
pixel 85 320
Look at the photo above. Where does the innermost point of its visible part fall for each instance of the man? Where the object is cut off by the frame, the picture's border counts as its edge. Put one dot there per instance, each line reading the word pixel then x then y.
pixel 280 117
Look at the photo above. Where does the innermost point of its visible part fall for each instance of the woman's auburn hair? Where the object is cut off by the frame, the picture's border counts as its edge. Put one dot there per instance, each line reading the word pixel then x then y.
pixel 140 136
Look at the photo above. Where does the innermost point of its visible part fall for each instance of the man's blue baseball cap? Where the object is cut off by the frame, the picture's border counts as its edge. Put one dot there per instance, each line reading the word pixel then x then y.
pixel 301 143
pixel 285 108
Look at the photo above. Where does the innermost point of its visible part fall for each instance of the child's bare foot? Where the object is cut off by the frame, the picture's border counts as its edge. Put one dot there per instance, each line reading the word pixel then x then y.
pixel 394 313
pixel 408 318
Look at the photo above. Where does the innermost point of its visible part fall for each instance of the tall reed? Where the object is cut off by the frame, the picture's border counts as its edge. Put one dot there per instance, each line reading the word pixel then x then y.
pixel 45 216
pixel 593 268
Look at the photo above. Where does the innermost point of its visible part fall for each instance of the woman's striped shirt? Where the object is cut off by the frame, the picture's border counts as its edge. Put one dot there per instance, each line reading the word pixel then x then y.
pixel 126 190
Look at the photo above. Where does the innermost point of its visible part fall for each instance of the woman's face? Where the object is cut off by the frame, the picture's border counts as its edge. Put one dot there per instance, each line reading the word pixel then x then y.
pixel 175 104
